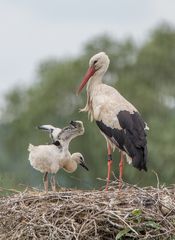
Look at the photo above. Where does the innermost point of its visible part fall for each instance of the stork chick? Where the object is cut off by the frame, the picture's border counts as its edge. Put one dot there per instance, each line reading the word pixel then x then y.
pixel 118 120
pixel 51 158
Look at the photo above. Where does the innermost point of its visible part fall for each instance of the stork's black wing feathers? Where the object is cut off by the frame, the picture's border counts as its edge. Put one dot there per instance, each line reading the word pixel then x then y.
pixel 131 138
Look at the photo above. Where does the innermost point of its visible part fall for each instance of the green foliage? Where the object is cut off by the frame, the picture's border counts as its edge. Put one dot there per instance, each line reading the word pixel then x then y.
pixel 122 233
pixel 152 224
pixel 145 75
pixel 136 212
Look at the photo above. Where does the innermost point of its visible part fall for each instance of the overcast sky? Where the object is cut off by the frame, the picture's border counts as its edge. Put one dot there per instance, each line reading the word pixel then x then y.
pixel 33 30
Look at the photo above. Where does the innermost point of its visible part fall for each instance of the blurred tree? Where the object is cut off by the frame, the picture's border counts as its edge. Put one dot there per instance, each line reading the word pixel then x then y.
pixel 145 75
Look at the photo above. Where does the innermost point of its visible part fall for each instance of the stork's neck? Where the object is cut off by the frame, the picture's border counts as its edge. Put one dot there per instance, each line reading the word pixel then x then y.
pixel 95 80
pixel 70 165
pixel 64 146
pixel 65 140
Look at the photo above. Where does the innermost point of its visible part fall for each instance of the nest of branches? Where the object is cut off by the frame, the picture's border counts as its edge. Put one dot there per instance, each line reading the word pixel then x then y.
pixel 132 213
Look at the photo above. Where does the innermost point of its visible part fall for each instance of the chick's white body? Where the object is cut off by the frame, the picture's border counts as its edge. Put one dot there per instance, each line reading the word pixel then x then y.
pixel 49 158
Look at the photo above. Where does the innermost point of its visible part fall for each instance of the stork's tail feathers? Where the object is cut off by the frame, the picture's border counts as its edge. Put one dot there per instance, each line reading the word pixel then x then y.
pixel 30 147
pixel 139 161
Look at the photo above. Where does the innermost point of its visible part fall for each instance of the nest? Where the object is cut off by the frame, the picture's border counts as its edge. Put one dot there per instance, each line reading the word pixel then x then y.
pixel 132 213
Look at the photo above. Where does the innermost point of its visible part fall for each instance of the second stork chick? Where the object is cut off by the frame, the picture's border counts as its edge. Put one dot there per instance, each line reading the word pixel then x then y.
pixel 51 158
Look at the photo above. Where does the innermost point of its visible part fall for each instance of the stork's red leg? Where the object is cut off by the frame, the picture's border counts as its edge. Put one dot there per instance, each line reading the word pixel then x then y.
pixel 121 170
pixel 109 166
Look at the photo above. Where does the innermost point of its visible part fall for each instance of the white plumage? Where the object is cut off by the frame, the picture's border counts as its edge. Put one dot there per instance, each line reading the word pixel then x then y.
pixel 47 158
pixel 53 131
pixel 51 158
pixel 119 121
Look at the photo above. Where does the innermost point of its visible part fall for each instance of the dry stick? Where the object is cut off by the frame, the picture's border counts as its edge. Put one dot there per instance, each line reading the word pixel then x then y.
pixel 65 212
pixel 125 223
pixel 158 182
pixel 9 190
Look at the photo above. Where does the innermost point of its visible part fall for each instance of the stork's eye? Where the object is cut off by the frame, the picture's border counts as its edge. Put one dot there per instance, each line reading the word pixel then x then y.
pixel 95 61
pixel 81 158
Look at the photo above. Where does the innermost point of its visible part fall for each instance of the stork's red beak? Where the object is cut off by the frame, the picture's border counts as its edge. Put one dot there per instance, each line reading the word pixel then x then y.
pixel 90 72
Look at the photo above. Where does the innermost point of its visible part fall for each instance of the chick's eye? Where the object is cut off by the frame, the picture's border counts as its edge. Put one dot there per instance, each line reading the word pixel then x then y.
pixel 81 158
pixel 95 61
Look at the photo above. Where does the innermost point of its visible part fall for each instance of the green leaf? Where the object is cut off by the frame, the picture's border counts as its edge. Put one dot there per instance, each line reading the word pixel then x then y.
pixel 137 212
pixel 153 224
pixel 122 233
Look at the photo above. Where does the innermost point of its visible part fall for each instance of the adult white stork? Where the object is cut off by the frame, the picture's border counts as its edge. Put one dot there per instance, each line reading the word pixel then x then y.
pixel 118 120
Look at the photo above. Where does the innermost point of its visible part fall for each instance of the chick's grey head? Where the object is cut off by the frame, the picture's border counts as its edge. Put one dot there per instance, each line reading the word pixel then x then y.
pixel 77 126
pixel 74 129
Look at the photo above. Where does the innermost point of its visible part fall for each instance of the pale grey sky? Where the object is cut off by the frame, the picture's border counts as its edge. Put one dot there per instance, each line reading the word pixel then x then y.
pixel 34 30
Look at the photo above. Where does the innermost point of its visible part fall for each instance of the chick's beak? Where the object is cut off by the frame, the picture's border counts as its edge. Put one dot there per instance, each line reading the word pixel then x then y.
pixel 84 166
